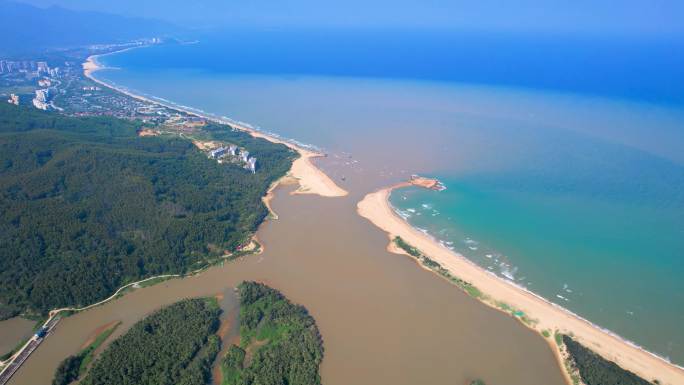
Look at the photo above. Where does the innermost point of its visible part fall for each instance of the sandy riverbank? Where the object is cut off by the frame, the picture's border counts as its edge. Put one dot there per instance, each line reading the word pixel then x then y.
pixel 376 208
pixel 310 178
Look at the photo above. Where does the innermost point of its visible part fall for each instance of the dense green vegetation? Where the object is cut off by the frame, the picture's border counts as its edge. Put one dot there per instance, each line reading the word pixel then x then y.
pixel 412 251
pixel 595 370
pixel 73 367
pixel 68 370
pixel 87 206
pixel 174 346
pixel 437 267
pixel 279 341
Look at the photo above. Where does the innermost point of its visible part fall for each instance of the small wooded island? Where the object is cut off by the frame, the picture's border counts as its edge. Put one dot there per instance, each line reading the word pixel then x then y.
pixel 279 344
pixel 279 341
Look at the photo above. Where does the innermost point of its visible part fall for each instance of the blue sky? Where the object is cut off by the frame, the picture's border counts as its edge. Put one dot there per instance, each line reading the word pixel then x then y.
pixel 646 18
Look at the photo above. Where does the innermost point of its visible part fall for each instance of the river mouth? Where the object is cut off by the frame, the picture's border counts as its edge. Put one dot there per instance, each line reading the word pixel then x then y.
pixel 542 186
pixel 383 319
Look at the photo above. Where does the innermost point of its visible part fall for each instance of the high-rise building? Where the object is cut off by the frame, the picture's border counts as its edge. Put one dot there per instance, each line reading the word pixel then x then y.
pixel 251 165
pixel 14 99
pixel 41 99
pixel 219 152
pixel 43 95
pixel 42 67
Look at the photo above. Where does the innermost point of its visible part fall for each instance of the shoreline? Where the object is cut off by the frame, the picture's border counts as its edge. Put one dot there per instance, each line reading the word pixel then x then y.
pixel 311 179
pixel 544 315
pixel 377 209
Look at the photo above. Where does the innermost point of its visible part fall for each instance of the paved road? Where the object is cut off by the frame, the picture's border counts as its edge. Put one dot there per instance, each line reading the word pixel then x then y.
pixel 13 363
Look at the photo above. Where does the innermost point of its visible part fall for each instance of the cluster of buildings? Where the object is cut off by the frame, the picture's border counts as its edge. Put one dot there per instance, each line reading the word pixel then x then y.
pixel 8 66
pixel 234 152
pixel 223 151
pixel 18 72
pixel 82 98
pixel 13 99
pixel 131 44
pixel 42 99
pixel 31 68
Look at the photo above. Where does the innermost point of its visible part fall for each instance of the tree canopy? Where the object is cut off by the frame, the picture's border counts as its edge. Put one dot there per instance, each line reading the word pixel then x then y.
pixel 174 346
pixel 595 370
pixel 87 206
pixel 279 341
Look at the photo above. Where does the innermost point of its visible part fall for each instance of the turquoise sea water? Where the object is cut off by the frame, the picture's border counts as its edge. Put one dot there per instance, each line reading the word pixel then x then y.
pixel 578 198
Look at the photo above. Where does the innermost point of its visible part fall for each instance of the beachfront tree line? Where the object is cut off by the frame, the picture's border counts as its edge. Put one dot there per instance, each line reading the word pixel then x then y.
pixel 596 370
pixel 87 206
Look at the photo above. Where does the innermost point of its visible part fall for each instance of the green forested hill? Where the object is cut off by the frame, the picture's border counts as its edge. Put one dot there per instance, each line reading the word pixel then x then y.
pixel 86 205
pixel 174 346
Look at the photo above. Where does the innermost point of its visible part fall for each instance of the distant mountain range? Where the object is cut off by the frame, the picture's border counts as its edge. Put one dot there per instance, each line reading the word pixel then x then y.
pixel 25 28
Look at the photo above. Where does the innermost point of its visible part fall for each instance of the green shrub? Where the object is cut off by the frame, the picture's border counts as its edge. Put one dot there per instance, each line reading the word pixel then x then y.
pixel 406 247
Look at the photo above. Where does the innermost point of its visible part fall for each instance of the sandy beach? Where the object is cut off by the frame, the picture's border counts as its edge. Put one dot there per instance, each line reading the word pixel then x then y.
pixel 310 178
pixel 376 208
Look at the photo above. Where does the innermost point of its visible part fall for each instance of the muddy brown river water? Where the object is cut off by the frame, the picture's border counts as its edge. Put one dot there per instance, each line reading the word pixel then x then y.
pixel 383 319
pixel 13 331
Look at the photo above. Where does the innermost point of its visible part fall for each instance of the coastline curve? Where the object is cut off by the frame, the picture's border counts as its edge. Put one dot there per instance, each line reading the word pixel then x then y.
pixel 376 208
pixel 312 180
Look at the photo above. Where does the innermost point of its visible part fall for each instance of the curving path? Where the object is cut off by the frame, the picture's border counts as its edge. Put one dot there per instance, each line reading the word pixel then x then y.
pixel 12 364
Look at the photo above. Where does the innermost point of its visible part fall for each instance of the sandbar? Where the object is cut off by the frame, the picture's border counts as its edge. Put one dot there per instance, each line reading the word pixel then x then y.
pixel 544 314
